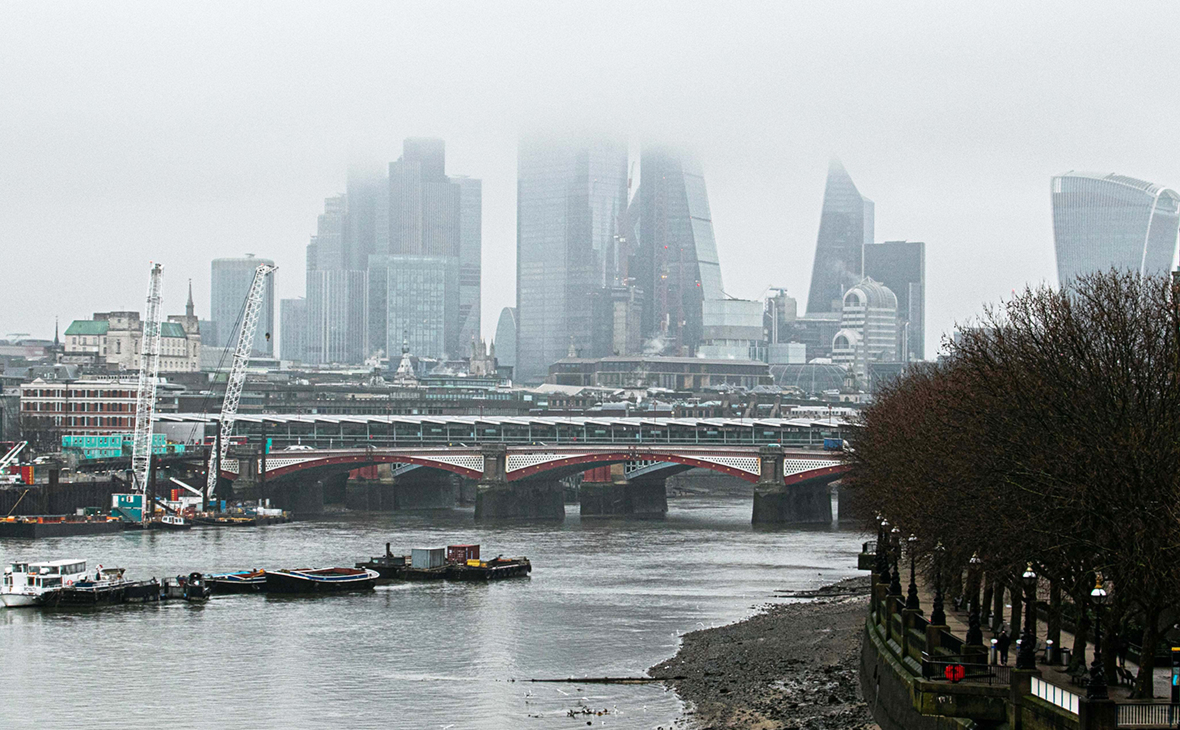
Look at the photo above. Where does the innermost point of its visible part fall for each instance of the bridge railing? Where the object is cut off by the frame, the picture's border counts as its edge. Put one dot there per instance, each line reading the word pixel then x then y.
pixel 395 434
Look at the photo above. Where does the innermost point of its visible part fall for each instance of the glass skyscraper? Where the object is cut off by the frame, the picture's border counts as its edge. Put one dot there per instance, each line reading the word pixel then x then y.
pixel 901 266
pixel 231 280
pixel 675 255
pixel 1104 221
pixel 845 227
pixel 571 194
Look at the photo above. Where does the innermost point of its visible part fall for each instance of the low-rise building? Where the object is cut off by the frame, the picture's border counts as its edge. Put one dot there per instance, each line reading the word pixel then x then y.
pixel 113 340
pixel 674 373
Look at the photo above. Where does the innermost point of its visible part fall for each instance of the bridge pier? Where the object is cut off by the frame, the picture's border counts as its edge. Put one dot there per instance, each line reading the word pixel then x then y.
pixel 498 499
pixel 775 503
pixel 609 494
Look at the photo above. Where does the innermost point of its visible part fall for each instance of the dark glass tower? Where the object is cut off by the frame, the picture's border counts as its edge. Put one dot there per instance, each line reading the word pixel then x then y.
pixel 674 257
pixel 845 227
pixel 1104 221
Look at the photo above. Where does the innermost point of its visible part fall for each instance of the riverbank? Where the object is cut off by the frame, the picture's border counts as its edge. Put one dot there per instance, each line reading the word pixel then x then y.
pixel 789 666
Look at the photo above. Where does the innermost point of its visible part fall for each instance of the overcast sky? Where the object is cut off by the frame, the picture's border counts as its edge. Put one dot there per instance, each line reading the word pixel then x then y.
pixel 180 132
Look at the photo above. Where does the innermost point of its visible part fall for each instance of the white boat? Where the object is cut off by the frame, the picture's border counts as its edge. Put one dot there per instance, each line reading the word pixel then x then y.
pixel 29 584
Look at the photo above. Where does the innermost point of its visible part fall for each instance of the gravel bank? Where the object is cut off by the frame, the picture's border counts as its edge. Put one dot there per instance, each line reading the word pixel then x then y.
pixel 790 666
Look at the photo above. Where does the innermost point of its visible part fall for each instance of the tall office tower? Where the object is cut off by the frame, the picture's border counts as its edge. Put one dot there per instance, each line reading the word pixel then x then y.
pixel 901 266
pixel 433 236
pixel 505 341
pixel 231 280
pixel 571 194
pixel 337 317
pixel 365 226
pixel 674 254
pixel 868 328
pixel 417 301
pixel 845 226
pixel 293 329
pixel 1104 221
pixel 470 257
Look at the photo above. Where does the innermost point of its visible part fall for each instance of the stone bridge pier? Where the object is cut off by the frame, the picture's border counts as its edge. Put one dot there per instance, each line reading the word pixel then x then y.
pixel 496 498
pixel 608 493
pixel 779 503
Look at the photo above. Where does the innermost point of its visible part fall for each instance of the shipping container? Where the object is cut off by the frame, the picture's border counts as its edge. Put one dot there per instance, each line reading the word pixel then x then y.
pixel 462 553
pixel 425 558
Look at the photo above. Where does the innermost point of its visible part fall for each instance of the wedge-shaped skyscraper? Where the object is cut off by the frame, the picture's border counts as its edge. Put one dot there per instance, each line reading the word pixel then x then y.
pixel 1112 221
pixel 845 227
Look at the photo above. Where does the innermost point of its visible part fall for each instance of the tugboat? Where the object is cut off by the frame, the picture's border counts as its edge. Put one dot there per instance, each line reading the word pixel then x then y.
pixel 170 522
pixel 388 566
pixel 321 580
pixel 191 588
pixel 33 584
pixel 242 581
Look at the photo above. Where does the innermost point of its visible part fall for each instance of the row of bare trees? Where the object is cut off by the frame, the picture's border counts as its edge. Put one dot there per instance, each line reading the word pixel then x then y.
pixel 1051 435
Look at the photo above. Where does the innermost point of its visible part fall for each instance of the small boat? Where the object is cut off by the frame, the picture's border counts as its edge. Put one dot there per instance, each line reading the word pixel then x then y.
pixel 32 584
pixel 107 586
pixel 321 580
pixel 242 581
pixel 194 587
pixel 170 522
pixel 388 566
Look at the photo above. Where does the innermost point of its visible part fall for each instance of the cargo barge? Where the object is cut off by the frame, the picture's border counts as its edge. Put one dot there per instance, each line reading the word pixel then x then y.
pixel 32 528
pixel 455 562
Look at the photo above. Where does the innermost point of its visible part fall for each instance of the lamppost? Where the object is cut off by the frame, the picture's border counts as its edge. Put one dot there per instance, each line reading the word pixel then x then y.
pixel 882 561
pixel 895 579
pixel 1027 657
pixel 938 615
pixel 1096 687
pixel 974 633
pixel 911 600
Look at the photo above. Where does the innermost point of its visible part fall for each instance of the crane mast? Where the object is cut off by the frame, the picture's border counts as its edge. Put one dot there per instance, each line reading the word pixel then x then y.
pixel 149 369
pixel 237 374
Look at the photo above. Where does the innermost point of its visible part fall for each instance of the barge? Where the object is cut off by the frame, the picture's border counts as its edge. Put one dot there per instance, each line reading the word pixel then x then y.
pixel 455 562
pixel 320 580
pixel 241 581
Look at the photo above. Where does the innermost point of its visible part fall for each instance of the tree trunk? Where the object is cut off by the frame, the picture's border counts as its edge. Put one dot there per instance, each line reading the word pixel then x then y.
pixel 1053 625
pixel 1080 639
pixel 998 608
pixel 1144 688
pixel 985 606
pixel 1014 621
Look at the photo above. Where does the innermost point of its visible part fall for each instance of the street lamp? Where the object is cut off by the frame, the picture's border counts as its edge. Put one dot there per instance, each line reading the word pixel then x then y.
pixel 1027 658
pixel 895 579
pixel 938 615
pixel 911 600
pixel 1096 687
pixel 974 633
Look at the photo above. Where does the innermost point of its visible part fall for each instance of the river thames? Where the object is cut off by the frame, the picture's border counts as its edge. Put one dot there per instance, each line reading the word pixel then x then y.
pixel 604 599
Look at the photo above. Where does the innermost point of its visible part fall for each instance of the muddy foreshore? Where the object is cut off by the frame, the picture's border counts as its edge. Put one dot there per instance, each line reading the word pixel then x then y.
pixel 789 666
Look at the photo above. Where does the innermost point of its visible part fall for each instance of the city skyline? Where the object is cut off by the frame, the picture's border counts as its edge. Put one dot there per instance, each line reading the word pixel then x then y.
pixel 964 169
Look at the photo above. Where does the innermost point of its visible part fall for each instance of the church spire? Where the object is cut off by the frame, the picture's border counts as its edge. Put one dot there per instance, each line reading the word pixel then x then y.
pixel 188 308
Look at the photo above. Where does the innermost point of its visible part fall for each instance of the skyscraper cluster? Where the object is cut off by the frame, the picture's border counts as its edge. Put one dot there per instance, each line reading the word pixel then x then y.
pixel 396 257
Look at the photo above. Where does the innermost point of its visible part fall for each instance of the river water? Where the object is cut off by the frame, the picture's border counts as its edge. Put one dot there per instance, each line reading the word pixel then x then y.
pixel 604 599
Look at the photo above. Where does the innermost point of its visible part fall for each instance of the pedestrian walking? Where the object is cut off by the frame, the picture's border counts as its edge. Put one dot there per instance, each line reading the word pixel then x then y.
pixel 1003 641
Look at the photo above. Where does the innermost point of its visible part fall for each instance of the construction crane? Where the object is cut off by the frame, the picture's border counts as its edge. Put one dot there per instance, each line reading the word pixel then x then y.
pixel 149 370
pixel 9 458
pixel 237 374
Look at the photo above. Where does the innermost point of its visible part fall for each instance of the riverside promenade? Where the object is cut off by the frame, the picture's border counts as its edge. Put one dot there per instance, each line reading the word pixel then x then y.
pixel 917 675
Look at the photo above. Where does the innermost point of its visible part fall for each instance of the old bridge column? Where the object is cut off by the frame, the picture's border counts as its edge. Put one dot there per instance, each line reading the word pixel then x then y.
pixel 498 499
pixel 605 492
pixel 775 503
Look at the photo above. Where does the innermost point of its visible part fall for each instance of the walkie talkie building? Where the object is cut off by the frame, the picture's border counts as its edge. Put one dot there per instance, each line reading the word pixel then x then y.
pixel 1112 221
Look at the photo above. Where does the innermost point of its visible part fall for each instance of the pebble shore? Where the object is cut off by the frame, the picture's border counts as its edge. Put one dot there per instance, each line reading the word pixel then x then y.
pixel 791 666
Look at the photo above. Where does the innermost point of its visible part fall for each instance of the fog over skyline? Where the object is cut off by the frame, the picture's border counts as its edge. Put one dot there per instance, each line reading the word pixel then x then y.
pixel 183 132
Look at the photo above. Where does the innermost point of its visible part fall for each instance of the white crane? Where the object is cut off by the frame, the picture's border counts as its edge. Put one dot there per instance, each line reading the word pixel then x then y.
pixel 237 374
pixel 149 370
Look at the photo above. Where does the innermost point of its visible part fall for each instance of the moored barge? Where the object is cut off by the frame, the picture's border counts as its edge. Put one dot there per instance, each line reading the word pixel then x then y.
pixel 321 580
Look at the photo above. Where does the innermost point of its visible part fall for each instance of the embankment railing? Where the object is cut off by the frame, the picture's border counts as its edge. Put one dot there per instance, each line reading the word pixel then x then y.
pixel 1053 694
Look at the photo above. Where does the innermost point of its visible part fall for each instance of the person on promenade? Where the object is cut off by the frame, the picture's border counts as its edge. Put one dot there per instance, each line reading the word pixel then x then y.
pixel 1003 641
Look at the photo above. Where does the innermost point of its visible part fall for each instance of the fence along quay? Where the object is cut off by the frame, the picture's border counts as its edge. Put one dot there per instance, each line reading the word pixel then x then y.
pixel 920 676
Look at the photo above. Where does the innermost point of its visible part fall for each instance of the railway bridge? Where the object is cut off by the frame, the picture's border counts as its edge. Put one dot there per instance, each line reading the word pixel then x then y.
pixel 517 463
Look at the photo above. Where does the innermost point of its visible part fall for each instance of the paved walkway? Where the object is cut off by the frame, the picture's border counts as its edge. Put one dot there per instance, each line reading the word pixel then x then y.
pixel 1055 674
